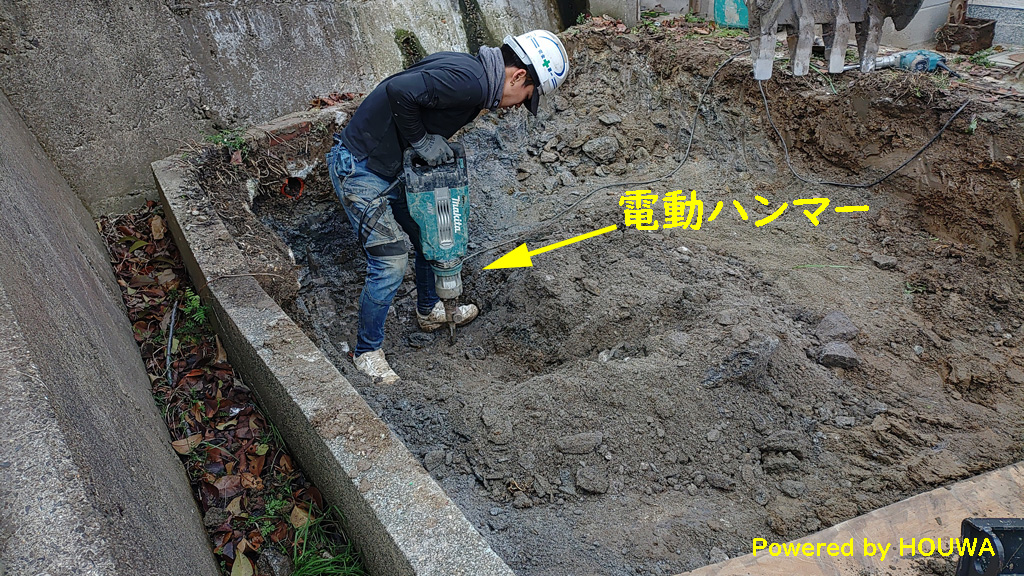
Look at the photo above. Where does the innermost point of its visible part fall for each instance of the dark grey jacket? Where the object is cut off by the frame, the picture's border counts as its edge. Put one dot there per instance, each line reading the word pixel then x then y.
pixel 438 95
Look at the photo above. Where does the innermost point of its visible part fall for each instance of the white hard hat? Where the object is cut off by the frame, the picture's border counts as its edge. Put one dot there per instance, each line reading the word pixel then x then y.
pixel 545 58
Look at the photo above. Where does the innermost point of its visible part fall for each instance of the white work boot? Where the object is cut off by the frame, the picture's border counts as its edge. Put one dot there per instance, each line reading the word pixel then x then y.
pixel 464 314
pixel 375 365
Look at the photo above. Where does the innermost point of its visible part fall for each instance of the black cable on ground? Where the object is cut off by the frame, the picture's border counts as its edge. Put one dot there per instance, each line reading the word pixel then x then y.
pixel 789 164
pixel 686 155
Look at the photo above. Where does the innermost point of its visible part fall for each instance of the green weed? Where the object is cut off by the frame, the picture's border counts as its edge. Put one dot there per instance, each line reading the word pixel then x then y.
pixel 981 58
pixel 914 288
pixel 196 315
pixel 233 140
pixel 271 435
pixel 941 81
pixel 972 126
pixel 193 307
pixel 728 33
pixel 319 552
pixel 645 24
pixel 275 505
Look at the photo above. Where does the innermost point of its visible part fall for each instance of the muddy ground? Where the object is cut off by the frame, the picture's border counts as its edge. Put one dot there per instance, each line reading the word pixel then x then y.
pixel 647 402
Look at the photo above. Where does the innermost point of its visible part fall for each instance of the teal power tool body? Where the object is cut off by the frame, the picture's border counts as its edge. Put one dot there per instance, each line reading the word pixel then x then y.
pixel 438 199
pixel 913 60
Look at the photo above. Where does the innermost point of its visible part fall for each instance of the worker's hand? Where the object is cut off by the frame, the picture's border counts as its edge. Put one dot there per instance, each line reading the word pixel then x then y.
pixel 434 149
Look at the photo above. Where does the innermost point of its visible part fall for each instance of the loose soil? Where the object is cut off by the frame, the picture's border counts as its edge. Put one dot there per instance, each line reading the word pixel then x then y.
pixel 646 402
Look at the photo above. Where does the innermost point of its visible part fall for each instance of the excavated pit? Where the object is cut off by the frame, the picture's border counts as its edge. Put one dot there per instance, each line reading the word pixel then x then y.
pixel 645 402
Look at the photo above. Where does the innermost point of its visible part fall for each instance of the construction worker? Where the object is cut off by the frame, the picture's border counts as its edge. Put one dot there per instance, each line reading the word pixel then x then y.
pixel 422 107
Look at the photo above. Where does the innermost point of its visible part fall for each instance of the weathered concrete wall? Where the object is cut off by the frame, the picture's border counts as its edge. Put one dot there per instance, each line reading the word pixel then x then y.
pixel 628 11
pixel 108 87
pixel 88 481
pixel 1009 17
pixel 505 17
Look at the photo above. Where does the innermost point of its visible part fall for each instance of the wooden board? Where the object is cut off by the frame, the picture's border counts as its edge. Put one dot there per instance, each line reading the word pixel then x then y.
pixel 934 514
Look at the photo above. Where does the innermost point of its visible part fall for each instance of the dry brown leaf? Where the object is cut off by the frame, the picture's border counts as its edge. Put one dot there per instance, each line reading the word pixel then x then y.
pixel 279 533
pixel 251 482
pixel 186 445
pixel 256 464
pixel 228 486
pixel 157 226
pixel 222 356
pixel 299 517
pixel 235 506
pixel 228 424
pixel 165 322
pixel 242 566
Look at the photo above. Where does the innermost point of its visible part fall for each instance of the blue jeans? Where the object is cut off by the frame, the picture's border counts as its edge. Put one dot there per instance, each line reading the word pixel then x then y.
pixel 378 212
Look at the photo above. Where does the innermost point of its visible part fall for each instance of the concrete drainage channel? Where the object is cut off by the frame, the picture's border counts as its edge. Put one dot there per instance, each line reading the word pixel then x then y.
pixel 648 402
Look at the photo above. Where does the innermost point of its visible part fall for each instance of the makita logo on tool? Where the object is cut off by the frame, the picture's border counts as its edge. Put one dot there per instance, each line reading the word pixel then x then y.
pixel 458 216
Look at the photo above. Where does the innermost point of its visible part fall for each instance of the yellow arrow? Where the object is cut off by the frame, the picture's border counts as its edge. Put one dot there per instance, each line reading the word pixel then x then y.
pixel 520 257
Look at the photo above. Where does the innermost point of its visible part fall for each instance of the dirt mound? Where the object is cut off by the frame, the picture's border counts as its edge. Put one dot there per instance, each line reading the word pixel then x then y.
pixel 648 401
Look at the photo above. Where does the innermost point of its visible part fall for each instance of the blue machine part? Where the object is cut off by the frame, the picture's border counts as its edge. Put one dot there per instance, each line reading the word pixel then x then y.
pixel 731 13
pixel 438 199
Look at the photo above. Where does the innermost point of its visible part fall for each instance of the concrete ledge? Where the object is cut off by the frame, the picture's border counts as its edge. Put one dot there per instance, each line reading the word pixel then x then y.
pixel 397 515
pixel 934 514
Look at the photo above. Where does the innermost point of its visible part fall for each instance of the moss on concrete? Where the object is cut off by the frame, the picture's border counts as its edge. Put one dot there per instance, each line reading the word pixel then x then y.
pixel 410 47
pixel 477 32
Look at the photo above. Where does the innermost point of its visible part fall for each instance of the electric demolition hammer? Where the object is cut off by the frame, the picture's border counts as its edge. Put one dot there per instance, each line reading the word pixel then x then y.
pixel 913 60
pixel 438 199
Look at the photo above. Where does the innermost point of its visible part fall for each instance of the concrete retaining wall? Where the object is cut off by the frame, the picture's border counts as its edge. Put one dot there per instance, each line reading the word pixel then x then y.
pixel 1009 17
pixel 88 481
pixel 628 11
pixel 108 87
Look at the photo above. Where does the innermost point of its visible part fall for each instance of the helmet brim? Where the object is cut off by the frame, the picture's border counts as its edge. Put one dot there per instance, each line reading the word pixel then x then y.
pixel 534 101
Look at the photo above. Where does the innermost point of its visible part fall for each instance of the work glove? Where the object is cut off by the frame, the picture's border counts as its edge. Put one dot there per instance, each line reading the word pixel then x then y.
pixel 434 149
